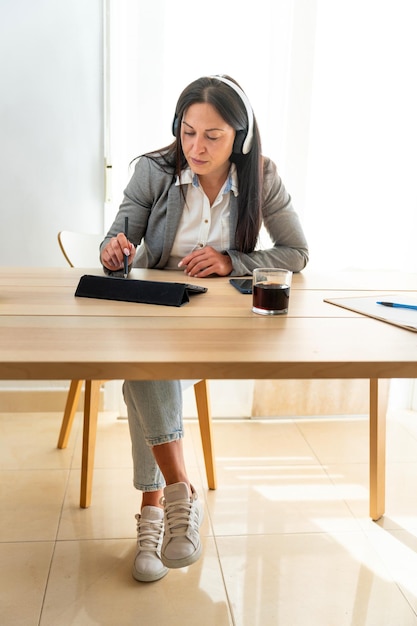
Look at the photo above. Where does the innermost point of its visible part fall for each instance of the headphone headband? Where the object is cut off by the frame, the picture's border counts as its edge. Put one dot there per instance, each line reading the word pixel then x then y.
pixel 247 143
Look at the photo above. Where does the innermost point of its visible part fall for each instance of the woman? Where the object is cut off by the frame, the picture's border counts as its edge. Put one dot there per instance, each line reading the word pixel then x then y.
pixel 196 205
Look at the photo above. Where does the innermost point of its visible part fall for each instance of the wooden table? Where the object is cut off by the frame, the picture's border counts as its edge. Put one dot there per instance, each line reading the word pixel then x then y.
pixel 48 334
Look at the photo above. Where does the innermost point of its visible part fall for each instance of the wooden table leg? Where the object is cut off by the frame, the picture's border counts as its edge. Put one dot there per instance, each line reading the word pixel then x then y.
pixel 378 401
pixel 91 402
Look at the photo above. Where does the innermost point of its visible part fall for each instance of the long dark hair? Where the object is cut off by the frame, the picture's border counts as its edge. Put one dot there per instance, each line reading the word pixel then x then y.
pixel 232 109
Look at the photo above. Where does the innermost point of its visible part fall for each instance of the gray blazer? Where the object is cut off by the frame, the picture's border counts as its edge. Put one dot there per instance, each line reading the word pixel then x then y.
pixel 154 205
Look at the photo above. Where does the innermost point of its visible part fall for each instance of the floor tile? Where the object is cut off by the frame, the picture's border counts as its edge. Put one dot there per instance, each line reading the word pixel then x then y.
pixel 287 535
pixel 400 501
pixel 319 580
pixel 401 443
pixel 277 440
pixel 91 583
pixel 24 569
pixel 342 440
pixel 29 441
pixel 277 500
pixel 398 551
pixel 31 503
pixel 269 481
pixel 114 504
pixel 407 419
pixel 337 440
pixel 113 446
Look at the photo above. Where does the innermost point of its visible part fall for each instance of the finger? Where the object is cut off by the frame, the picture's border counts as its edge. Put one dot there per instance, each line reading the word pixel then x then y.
pixel 197 263
pixel 185 261
pixel 123 242
pixel 113 254
pixel 202 268
pixel 130 251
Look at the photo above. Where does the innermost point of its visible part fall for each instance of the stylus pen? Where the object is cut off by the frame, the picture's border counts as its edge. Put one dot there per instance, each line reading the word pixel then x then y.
pixel 399 306
pixel 126 256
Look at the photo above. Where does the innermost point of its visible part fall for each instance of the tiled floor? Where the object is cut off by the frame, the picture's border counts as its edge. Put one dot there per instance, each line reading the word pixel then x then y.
pixel 287 538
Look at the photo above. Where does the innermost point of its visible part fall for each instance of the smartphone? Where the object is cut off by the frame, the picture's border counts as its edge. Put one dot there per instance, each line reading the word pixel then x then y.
pixel 244 285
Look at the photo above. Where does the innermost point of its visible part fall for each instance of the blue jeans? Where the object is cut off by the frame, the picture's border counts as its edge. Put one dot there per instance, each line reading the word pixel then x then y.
pixel 154 411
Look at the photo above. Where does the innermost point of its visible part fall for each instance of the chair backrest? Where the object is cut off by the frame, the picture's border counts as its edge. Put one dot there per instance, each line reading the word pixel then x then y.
pixel 80 249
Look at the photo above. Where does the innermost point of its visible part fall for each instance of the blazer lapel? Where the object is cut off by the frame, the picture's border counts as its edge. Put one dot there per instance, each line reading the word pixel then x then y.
pixel 175 205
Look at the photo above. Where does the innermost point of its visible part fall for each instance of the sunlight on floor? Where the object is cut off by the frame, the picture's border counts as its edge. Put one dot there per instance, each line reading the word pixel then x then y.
pixel 287 536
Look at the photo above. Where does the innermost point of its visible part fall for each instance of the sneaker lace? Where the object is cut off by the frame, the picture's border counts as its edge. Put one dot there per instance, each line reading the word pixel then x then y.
pixel 150 533
pixel 179 515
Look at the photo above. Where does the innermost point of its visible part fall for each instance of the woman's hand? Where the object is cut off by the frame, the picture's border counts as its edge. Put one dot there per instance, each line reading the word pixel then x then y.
pixel 205 262
pixel 112 256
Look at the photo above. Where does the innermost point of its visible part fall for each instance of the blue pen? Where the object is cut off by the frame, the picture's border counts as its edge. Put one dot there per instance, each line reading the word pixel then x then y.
pixel 126 256
pixel 399 306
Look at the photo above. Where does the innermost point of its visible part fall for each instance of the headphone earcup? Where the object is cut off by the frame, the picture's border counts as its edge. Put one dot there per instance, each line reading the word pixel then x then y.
pixel 175 125
pixel 239 141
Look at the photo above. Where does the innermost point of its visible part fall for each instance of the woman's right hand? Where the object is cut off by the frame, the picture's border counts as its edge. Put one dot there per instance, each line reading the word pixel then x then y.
pixel 112 256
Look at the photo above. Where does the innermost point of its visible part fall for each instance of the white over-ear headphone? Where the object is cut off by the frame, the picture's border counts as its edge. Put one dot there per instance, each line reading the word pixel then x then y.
pixel 243 140
pixel 246 140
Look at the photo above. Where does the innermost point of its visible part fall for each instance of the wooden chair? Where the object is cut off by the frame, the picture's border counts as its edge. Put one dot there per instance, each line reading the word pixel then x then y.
pixel 81 250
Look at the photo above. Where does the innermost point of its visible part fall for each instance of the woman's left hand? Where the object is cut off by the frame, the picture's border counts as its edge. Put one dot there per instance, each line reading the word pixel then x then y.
pixel 205 262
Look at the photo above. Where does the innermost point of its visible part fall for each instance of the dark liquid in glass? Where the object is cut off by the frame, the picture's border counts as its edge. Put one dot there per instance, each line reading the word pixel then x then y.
pixel 271 296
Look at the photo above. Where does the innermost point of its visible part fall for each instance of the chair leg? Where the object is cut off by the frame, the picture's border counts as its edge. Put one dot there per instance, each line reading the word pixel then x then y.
pixel 204 420
pixel 91 401
pixel 69 412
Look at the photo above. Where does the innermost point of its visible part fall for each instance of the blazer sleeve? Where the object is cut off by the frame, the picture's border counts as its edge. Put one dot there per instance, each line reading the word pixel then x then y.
pixel 136 205
pixel 145 204
pixel 289 248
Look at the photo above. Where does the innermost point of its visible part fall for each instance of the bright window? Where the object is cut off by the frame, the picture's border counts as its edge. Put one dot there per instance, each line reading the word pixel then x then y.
pixel 332 84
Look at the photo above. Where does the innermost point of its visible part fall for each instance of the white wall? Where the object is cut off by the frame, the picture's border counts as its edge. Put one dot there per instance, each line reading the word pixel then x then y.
pixel 51 129
pixel 51 126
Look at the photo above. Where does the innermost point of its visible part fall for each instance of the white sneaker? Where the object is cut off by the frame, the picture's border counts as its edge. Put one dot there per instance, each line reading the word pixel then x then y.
pixel 181 545
pixel 150 526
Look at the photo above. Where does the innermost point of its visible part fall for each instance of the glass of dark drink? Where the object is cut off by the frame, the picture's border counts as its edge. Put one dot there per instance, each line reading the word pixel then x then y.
pixel 271 290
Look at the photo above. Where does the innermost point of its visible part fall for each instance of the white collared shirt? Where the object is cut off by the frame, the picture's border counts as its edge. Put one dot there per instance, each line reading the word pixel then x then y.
pixel 201 224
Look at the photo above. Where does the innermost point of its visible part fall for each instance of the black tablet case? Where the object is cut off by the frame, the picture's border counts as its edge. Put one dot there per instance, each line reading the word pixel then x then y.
pixel 131 290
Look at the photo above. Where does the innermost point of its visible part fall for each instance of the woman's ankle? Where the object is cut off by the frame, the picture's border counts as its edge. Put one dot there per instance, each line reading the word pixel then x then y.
pixel 152 498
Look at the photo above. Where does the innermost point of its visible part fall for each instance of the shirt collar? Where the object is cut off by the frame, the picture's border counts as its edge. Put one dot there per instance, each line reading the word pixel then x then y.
pixel 189 177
